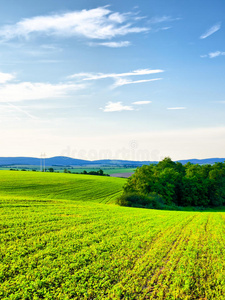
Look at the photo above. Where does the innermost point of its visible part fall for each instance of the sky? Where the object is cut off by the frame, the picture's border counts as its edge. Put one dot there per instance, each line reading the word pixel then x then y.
pixel 132 80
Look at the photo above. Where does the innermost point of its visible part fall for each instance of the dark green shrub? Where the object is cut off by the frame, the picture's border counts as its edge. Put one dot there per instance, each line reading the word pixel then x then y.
pixel 152 200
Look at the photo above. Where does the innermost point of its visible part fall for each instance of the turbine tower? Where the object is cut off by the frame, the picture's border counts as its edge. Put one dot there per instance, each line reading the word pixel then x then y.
pixel 42 162
pixel 44 156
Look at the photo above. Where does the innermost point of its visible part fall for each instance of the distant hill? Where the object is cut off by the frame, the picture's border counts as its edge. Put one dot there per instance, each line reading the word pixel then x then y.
pixel 52 161
pixel 68 161
pixel 122 162
pixel 203 161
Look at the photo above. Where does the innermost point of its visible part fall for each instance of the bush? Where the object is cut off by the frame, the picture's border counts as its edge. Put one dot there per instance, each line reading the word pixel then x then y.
pixel 155 201
pixel 152 200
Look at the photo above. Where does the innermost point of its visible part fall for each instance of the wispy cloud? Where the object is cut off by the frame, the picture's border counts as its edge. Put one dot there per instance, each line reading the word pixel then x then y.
pixel 116 107
pixel 141 102
pixel 115 44
pixel 157 20
pixel 216 54
pixel 122 81
pixel 96 76
pixel 176 108
pixel 51 47
pixel 17 108
pixel 98 23
pixel 11 91
pixel 213 54
pixel 211 30
pixel 162 28
pixel 35 91
pixel 119 78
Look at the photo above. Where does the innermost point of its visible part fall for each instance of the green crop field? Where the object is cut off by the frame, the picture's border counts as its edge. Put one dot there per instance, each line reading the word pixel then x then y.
pixel 62 237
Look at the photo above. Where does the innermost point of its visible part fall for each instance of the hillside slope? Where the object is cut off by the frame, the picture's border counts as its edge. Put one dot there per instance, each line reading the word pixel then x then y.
pixel 37 185
pixel 59 242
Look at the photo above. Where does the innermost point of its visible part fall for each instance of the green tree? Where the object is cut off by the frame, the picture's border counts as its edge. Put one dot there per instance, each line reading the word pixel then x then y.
pixel 188 185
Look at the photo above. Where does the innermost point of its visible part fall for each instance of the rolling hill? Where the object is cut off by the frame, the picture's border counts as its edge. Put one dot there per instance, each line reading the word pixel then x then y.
pixel 36 185
pixel 68 161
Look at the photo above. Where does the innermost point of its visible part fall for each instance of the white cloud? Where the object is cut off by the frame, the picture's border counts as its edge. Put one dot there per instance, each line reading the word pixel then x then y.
pixel 141 102
pixel 162 19
pixel 115 44
pixel 210 31
pixel 122 81
pixel 19 91
pixel 117 17
pixel 118 77
pixel 4 77
pixel 116 107
pixel 165 28
pixel 13 92
pixel 98 23
pixel 91 76
pixel 213 54
pixel 51 47
pixel 176 108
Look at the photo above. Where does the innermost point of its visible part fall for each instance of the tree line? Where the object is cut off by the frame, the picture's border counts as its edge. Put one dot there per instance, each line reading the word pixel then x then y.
pixel 170 183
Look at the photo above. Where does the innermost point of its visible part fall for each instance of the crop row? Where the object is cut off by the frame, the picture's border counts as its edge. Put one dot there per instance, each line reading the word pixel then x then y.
pixel 74 250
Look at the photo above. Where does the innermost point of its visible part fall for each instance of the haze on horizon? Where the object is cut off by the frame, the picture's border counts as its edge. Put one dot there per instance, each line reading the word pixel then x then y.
pixel 135 80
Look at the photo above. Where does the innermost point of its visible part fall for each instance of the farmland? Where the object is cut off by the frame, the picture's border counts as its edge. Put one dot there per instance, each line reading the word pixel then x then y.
pixel 72 169
pixel 59 186
pixel 62 237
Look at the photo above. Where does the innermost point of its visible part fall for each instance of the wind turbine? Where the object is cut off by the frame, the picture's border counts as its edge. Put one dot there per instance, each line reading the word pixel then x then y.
pixel 44 155
pixel 42 162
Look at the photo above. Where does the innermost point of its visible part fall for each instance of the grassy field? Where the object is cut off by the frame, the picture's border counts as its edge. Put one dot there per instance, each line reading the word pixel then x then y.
pixel 59 186
pixel 59 240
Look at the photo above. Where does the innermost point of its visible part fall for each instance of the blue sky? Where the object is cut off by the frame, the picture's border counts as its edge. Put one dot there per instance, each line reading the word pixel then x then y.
pixel 136 80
